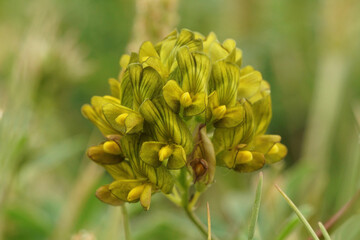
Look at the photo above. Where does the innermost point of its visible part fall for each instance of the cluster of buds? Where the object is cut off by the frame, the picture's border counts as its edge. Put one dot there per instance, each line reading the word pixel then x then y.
pixel 184 103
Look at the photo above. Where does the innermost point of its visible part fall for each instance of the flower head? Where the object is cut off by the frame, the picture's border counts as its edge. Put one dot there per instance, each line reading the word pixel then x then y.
pixel 169 99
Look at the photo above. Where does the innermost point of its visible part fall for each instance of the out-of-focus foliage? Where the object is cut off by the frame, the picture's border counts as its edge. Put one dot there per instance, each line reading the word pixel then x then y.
pixel 54 55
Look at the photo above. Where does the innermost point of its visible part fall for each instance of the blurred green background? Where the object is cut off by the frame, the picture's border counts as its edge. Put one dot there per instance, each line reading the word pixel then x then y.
pixel 55 55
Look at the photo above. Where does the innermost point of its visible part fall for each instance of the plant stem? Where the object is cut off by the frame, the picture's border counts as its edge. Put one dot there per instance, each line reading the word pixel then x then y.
pixel 126 222
pixel 198 223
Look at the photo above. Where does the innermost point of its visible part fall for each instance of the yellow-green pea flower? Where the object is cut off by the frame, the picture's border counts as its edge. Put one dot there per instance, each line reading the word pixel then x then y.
pixel 154 153
pixel 165 125
pixel 188 90
pixel 224 108
pixel 163 93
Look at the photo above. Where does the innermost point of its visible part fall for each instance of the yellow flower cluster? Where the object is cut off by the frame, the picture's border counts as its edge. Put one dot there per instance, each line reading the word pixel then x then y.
pixel 184 103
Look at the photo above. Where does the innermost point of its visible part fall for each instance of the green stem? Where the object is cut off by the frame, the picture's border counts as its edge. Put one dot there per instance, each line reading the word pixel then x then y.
pixel 126 222
pixel 198 223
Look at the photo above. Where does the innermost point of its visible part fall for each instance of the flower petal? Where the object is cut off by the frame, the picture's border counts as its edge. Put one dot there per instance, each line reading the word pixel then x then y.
pixel 177 159
pixel 121 188
pixel 149 153
pixel 276 153
pixel 167 125
pixel 197 106
pixel 98 155
pixel 147 50
pixel 225 80
pixel 233 117
pixel 104 194
pixel 132 123
pixel 172 93
pixel 195 70
pixel 249 84
pixel 256 163
pixel 146 83
pixel 120 171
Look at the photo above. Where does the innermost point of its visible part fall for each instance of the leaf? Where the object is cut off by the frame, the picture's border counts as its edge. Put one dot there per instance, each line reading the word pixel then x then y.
pixel 293 222
pixel 349 230
pixel 324 231
pixel 299 214
pixel 256 208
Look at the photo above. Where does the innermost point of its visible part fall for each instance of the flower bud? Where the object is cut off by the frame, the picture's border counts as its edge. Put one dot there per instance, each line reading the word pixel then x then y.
pixel 135 193
pixel 97 154
pixel 112 147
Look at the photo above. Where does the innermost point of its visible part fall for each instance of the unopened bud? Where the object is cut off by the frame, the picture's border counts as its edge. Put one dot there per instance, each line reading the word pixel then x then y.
pixel 97 154
pixel 112 147
pixel 135 193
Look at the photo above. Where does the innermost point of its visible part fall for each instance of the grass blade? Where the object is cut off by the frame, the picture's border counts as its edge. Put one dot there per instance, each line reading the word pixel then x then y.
pixel 324 232
pixel 209 220
pixel 256 208
pixel 293 222
pixel 301 217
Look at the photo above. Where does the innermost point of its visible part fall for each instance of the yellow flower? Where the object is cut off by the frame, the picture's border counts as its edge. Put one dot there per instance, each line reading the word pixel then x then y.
pixel 185 84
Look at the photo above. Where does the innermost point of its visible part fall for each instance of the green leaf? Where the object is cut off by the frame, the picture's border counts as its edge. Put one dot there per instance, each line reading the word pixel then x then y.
pixel 256 208
pixel 299 214
pixel 324 231
pixel 349 230
pixel 293 222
